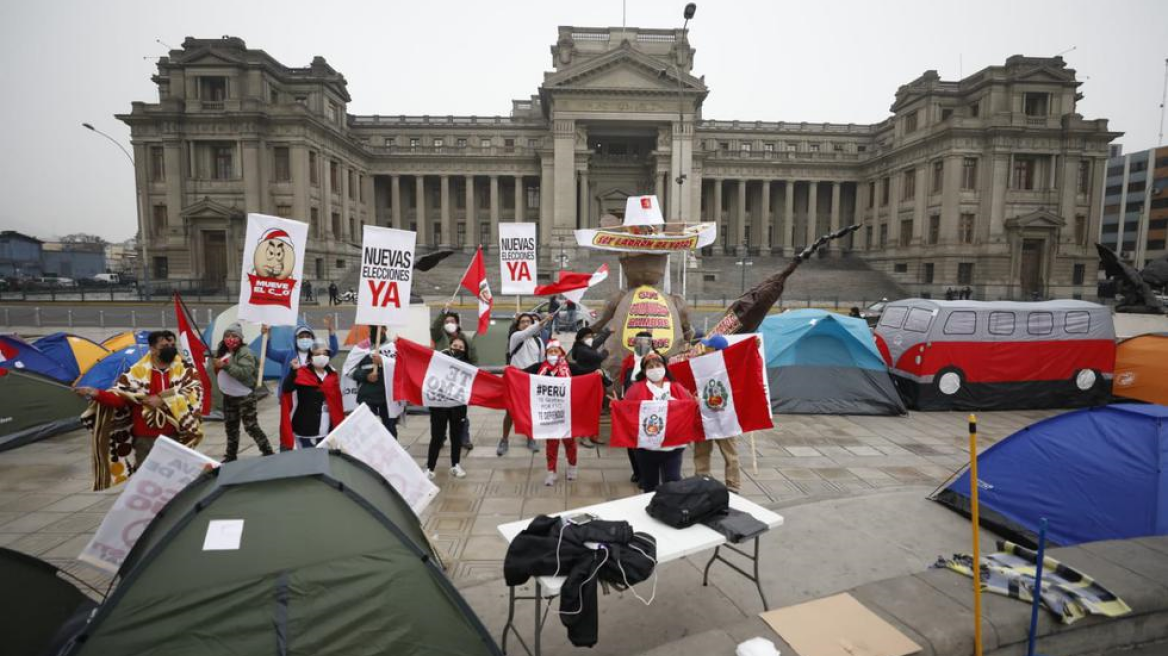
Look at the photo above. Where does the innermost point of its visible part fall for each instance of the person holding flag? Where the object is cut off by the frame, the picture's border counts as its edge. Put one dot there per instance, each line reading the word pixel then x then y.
pixel 236 369
pixel 310 401
pixel 662 464
pixel 556 364
pixel 728 446
pixel 371 381
pixel 447 326
pixel 524 351
pixel 453 417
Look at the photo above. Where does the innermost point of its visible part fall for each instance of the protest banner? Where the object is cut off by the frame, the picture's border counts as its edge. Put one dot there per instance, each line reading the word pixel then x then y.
pixel 553 407
pixel 362 436
pixel 517 257
pixel 387 273
pixel 166 471
pixel 273 261
pixel 425 377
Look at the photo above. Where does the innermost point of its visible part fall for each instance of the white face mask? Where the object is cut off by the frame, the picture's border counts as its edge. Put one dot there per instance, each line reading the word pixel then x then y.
pixel 553 360
pixel 655 375
pixel 587 341
pixel 320 361
pixel 304 343
pixel 450 328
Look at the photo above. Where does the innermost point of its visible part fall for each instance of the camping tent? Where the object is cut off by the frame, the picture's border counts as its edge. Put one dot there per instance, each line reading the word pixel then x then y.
pixel 1094 474
pixel 17 354
pixel 41 605
pixel 1141 368
pixel 74 353
pixel 125 339
pixel 304 552
pixel 35 407
pixel 825 363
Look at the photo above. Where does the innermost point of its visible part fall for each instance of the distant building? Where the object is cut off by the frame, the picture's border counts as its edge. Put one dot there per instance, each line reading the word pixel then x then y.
pixel 1135 206
pixel 78 261
pixel 20 255
pixel 122 257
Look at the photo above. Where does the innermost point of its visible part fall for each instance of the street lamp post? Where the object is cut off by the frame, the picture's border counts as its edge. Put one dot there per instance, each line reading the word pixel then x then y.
pixel 690 9
pixel 142 238
pixel 743 263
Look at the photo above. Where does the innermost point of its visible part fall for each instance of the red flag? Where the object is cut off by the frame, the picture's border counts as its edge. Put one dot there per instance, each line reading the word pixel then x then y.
pixel 573 285
pixel 192 348
pixel 729 389
pixel 428 378
pixel 647 424
pixel 475 282
pixel 554 407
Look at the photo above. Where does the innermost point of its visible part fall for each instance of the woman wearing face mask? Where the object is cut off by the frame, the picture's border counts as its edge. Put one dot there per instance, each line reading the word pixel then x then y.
pixel 310 401
pixel 556 364
pixel 654 383
pixel 524 351
pixel 298 355
pixel 236 368
pixel 442 419
pixel 447 325
pixel 642 345
pixel 587 355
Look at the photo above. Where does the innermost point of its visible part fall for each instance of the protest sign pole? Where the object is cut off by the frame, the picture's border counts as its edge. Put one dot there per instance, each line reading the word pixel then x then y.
pixel 754 453
pixel 376 344
pixel 263 359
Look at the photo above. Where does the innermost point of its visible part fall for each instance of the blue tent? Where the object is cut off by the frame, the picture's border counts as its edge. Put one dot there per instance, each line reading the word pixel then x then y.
pixel 15 353
pixel 821 362
pixel 1094 474
pixel 103 374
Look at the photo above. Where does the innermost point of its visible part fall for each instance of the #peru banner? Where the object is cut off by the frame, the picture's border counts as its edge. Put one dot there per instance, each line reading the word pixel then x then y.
pixel 387 274
pixel 273 261
pixel 554 407
pixel 517 258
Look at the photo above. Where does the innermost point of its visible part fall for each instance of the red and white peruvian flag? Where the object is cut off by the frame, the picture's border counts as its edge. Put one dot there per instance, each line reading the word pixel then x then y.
pixel 554 407
pixel 194 350
pixel 730 405
pixel 426 377
pixel 475 282
pixel 573 285
pixel 655 424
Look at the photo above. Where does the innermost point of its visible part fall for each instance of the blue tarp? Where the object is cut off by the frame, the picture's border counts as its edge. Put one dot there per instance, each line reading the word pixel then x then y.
pixel 1094 474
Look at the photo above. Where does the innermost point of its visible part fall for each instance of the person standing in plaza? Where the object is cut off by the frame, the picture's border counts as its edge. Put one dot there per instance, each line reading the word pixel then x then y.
pixel 525 352
pixel 728 446
pixel 310 401
pixel 446 326
pixel 236 369
pixel 308 290
pixel 630 365
pixel 448 419
pixel 303 339
pixel 332 290
pixel 556 364
pixel 654 383
pixel 371 383
pixel 587 356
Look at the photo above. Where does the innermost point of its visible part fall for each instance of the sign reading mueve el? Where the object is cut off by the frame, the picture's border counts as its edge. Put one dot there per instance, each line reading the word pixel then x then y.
pixel 517 258
pixel 387 273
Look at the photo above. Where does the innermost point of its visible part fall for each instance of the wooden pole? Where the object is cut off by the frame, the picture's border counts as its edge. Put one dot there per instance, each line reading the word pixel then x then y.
pixel 754 453
pixel 263 359
pixel 376 344
pixel 973 482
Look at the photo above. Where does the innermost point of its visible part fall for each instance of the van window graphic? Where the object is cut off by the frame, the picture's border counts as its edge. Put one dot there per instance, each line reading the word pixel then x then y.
pixel 893 317
pixel 1078 323
pixel 1040 323
pixel 918 320
pixel 962 322
pixel 1001 323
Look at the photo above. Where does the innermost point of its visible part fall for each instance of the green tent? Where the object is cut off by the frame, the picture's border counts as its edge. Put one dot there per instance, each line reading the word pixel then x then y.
pixel 35 407
pixel 330 560
pixel 34 618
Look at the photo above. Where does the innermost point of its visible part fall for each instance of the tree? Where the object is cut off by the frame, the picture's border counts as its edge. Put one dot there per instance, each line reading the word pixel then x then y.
pixel 83 238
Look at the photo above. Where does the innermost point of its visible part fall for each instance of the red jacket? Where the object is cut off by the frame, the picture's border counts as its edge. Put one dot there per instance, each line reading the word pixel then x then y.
pixel 303 391
pixel 159 382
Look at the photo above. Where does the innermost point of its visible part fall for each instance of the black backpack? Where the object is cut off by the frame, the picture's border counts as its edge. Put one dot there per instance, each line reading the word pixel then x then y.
pixel 684 503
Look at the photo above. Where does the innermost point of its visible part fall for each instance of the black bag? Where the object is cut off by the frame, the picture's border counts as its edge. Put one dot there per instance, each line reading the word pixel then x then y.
pixel 684 503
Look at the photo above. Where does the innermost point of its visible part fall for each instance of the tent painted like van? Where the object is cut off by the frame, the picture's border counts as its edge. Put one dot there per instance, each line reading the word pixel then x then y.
pixel 35 407
pixel 304 552
pixel 1141 368
pixel 1094 474
pixel 820 362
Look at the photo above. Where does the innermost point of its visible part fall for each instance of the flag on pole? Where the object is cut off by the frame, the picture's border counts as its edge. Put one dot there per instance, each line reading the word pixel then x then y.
pixel 573 285
pixel 428 378
pixel 729 405
pixel 475 282
pixel 554 407
pixel 655 424
pixel 191 346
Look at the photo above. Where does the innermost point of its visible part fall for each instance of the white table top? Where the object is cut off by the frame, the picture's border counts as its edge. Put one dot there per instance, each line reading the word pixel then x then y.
pixel 672 543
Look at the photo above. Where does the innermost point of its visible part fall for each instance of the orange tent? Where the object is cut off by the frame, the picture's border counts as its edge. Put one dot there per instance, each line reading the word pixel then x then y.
pixel 1141 368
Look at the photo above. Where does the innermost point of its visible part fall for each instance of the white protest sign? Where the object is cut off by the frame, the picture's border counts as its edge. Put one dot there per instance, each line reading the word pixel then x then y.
pixel 362 436
pixel 387 274
pixel 517 258
pixel 273 260
pixel 551 407
pixel 166 471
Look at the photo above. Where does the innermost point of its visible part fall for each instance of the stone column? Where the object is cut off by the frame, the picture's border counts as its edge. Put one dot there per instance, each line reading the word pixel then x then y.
pixel 659 189
pixel 920 202
pixel 582 218
pixel 346 208
pixel 252 173
pixel 1067 191
pixel 893 211
pixel 740 218
pixel 788 217
pixel 812 212
pixel 680 163
pixel 718 204
pixel 546 200
pixel 565 175
pixel 1095 204
pixel 395 200
pixel 835 213
pixel 494 212
pixel 422 224
pixel 764 223
pixel 950 200
pixel 994 189
pixel 176 177
pixel 473 232
pixel 519 198
pixel 446 240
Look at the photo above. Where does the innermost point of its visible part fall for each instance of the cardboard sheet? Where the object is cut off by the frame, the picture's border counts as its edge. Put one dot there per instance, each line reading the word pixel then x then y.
pixel 838 626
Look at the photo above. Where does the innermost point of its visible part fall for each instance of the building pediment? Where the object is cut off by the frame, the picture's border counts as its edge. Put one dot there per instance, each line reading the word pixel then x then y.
pixel 211 57
pixel 624 69
pixel 1039 219
pixel 209 209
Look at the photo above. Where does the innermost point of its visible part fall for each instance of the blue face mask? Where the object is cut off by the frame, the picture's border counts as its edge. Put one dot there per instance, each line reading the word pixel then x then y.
pixel 304 343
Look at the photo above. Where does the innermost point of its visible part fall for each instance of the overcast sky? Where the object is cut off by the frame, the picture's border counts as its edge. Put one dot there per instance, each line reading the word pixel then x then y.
pixel 84 60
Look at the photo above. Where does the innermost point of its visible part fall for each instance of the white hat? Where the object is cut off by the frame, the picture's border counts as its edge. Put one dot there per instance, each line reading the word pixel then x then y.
pixel 643 210
pixel 277 234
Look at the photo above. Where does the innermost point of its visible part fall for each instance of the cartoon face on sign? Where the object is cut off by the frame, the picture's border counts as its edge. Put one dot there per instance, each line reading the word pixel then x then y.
pixel 274 255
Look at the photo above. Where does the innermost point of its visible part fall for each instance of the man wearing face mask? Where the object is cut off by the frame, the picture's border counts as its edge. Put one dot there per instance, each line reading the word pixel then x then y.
pixel 310 402
pixel 159 395
pixel 298 355
pixel 236 368
pixel 587 355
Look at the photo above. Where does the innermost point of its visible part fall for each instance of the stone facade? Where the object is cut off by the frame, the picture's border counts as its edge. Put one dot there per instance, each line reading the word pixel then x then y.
pixel 992 181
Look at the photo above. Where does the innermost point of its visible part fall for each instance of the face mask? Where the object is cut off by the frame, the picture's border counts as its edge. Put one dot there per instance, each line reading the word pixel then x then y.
pixel 587 341
pixel 450 328
pixel 655 375
pixel 168 354
pixel 458 353
pixel 304 343
pixel 232 342
pixel 320 361
pixel 553 360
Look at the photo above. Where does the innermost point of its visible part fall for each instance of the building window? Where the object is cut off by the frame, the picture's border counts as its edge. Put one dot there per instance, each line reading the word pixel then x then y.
pixel 532 197
pixel 161 267
pixel 938 175
pixel 744 147
pixel 1078 274
pixel 532 143
pixel 319 268
pixel 331 111
pixel 1084 178
pixel 283 164
pixel 157 165
pixel 1023 173
pixel 213 89
pixel 313 172
pixel 352 180
pixel 886 192
pixel 1035 104
pixel 927 273
pixel 871 194
pixel 284 211
pixel 838 147
pixel 438 142
pixel 273 96
pixel 969 173
pixel 340 263
pixel 460 143
pixel 965 275
pixel 314 222
pixel 861 149
pixel 910 185
pixel 867 237
pixel 883 235
pixel 509 145
pixel 910 123
pixel 336 225
pixel 946 114
pixel 813 147
pixel 159 219
pixel 724 146
pixel 965 228
pixel 935 229
pixel 790 147
pixel 334 177
pixel 768 148
pixel 414 142
pixel 900 267
pixel 223 156
pixel 484 143
pixel 975 109
pixel 906 232
pixel 1080 228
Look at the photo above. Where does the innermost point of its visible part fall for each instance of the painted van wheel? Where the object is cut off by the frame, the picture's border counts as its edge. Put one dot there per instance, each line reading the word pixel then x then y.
pixel 949 383
pixel 1085 379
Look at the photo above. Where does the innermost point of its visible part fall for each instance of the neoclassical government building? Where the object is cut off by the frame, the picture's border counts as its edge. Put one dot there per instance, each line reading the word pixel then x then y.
pixel 992 181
